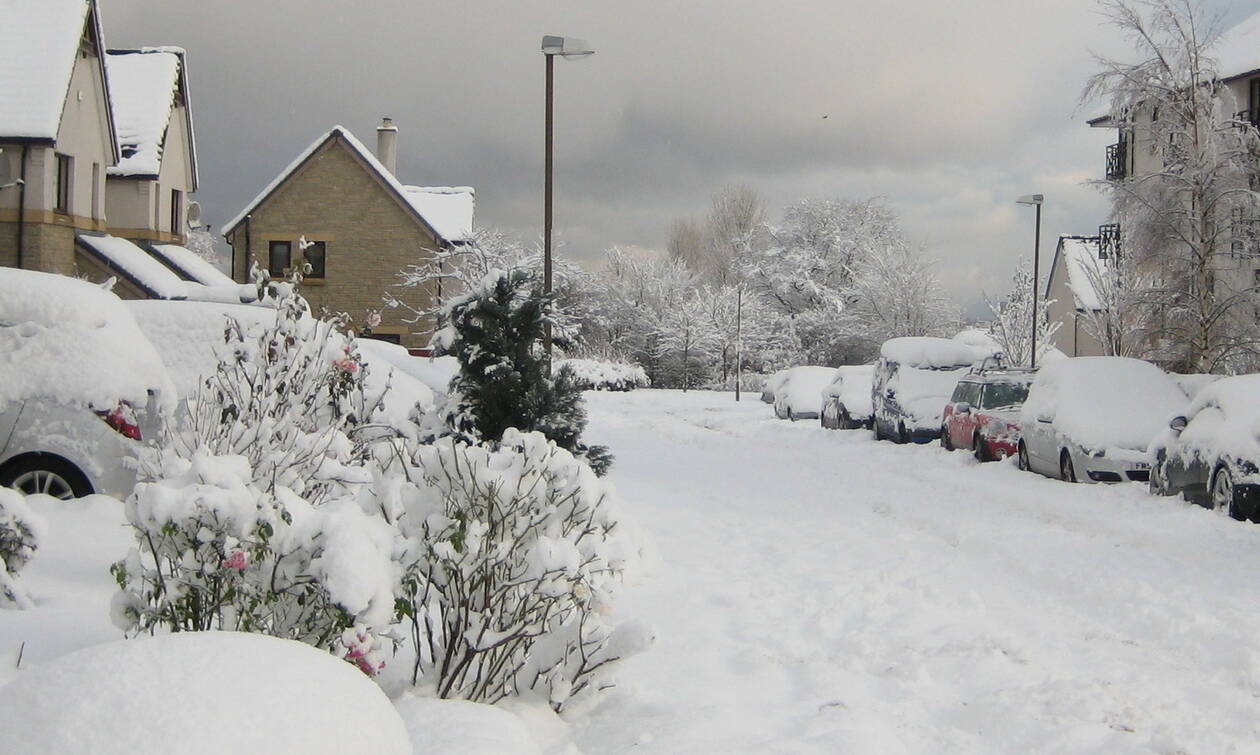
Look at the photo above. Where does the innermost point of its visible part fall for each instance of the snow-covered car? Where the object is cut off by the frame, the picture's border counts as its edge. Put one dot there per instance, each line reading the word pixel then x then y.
pixel 913 380
pixel 800 395
pixel 847 399
pixel 1210 452
pixel 772 385
pixel 983 413
pixel 1091 419
pixel 80 387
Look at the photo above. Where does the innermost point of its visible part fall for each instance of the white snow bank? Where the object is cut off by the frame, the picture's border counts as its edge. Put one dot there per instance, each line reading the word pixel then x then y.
pixel 801 392
pixel 198 692
pixel 932 353
pixel 852 386
pixel 73 342
pixel 1101 402
pixel 458 727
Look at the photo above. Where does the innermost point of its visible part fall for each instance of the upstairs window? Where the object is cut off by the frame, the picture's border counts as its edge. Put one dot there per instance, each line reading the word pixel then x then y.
pixel 315 254
pixel 279 258
pixel 65 167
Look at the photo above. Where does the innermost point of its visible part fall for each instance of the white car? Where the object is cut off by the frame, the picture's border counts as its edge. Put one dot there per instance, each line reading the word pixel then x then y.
pixel 80 387
pixel 847 399
pixel 772 385
pixel 800 396
pixel 1091 419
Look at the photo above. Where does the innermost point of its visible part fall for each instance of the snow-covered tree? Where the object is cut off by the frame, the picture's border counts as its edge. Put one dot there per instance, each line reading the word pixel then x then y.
pixel 21 531
pixel 1013 320
pixel 1183 210
pixel 1127 319
pixel 894 292
pixel 687 341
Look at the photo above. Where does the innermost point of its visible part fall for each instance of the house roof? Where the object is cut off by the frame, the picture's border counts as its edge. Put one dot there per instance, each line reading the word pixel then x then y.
pixel 145 86
pixel 1238 51
pixel 134 264
pixel 440 210
pixel 39 43
pixel 1079 258
pixel 189 266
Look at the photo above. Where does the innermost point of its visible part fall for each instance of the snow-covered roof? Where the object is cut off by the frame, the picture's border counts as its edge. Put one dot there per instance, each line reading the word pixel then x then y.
pixel 143 85
pixel 1238 51
pixel 134 264
pixel 189 266
pixel 1081 263
pixel 448 209
pixel 40 42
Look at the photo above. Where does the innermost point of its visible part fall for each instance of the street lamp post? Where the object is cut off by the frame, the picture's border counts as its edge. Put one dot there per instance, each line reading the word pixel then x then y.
pixel 1036 200
pixel 565 47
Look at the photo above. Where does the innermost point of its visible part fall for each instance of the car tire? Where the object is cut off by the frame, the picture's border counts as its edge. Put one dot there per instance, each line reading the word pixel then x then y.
pixel 1067 472
pixel 1223 495
pixel 1158 484
pixel 845 422
pixel 46 474
pixel 947 442
pixel 902 435
pixel 1022 460
pixel 979 450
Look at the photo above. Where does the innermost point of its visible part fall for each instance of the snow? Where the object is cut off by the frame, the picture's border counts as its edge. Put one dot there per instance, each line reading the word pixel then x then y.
pixel 136 264
pixel 457 727
pixel 142 89
pixel 40 41
pixel 194 267
pixel 773 384
pixel 198 692
pixel 1224 420
pixel 451 208
pixel 1236 53
pixel 1080 261
pixel 603 375
pixel 1104 402
pixel 923 394
pixel 978 338
pixel 852 385
pixel 933 353
pixel 73 342
pixel 801 392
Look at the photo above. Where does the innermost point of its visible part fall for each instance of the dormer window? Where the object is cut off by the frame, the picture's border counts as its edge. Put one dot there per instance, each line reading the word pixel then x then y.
pixel 129 150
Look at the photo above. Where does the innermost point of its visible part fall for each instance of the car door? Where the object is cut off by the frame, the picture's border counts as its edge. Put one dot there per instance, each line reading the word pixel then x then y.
pixel 1041 442
pixel 9 413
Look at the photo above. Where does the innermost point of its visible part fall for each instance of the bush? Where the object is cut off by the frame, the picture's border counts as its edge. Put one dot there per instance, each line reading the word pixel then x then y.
pixel 512 556
pixel 604 375
pixel 20 532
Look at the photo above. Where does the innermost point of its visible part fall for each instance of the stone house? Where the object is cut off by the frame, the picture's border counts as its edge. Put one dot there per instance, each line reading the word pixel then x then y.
pixel 362 226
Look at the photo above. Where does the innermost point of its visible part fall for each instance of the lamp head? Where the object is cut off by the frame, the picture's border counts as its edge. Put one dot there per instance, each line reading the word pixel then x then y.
pixel 1030 199
pixel 566 47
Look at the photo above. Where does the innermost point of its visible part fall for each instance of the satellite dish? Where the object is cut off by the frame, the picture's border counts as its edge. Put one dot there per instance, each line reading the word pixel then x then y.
pixel 194 215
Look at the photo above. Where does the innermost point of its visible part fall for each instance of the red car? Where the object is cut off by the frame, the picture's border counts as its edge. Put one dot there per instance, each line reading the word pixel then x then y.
pixel 983 413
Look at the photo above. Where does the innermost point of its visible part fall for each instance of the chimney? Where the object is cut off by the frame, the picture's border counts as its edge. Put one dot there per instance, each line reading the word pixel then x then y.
pixel 387 145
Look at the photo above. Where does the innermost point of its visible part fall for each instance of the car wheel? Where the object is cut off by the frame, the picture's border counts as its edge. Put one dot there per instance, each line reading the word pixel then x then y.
pixel 825 418
pixel 846 421
pixel 1022 461
pixel 1158 484
pixel 979 450
pixel 1223 493
pixel 947 442
pixel 902 435
pixel 1066 471
pixel 49 475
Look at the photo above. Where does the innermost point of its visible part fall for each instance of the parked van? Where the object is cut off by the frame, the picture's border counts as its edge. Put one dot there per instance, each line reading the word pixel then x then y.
pixel 914 378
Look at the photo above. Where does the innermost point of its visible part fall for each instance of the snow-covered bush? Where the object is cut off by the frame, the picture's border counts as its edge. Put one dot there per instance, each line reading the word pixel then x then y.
pixel 605 375
pixel 20 532
pixel 512 555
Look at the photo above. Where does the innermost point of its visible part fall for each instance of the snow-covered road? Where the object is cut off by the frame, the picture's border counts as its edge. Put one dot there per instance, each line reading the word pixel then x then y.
pixel 815 591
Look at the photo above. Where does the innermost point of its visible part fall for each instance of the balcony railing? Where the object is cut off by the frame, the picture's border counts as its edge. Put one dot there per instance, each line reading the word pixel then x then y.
pixel 1117 161
pixel 1109 241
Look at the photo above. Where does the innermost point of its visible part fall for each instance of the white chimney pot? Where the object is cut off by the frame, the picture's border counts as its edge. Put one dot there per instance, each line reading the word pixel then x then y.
pixel 387 145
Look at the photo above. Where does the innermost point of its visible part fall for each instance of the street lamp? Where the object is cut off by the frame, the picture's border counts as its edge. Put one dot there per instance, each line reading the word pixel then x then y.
pixel 1034 199
pixel 565 47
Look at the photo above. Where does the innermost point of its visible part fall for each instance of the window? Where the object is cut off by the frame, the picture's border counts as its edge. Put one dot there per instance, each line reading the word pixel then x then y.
pixel 96 191
pixel 315 254
pixel 177 207
pixel 65 164
pixel 280 254
pixel 157 207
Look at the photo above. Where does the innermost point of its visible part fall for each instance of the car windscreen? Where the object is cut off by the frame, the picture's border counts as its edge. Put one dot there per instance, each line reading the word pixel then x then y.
pixel 1004 394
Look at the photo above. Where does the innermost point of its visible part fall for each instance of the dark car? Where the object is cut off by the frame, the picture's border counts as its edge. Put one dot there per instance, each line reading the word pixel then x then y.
pixel 983 413
pixel 913 381
pixel 1210 453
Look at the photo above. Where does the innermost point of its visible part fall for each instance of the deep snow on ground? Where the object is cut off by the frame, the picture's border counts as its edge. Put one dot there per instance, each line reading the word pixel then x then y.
pixel 820 592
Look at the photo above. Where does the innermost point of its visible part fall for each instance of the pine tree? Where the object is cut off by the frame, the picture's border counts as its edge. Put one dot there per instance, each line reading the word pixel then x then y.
pixel 495 332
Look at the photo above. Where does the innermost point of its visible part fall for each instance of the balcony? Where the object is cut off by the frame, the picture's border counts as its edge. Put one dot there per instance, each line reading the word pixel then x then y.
pixel 1117 161
pixel 1109 241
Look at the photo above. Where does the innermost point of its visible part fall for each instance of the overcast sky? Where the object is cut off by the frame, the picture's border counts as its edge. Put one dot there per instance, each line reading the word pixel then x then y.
pixel 948 110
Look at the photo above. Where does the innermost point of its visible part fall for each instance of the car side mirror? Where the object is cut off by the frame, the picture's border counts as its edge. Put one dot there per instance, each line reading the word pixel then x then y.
pixel 1178 424
pixel 962 408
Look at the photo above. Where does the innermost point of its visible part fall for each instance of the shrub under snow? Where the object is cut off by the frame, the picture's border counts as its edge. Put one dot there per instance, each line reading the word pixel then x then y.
pixel 604 375
pixel 20 532
pixel 512 555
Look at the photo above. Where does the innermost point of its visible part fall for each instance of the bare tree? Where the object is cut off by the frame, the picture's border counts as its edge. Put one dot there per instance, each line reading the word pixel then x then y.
pixel 687 243
pixel 734 218
pixel 1182 210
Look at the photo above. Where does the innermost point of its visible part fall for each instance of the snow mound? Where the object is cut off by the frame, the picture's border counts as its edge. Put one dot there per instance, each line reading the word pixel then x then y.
pixel 802 392
pixel 198 692
pixel 932 353
pixel 852 385
pixel 459 727
pixel 1103 402
pixel 74 342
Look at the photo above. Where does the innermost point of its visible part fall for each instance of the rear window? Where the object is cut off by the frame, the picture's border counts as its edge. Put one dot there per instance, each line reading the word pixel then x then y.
pixel 1004 394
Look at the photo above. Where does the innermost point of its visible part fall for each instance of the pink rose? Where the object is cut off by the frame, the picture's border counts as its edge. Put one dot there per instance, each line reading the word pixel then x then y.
pixel 236 561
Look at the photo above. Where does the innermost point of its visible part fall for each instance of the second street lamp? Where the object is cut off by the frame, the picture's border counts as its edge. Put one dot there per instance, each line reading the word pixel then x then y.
pixel 1034 199
pixel 565 47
